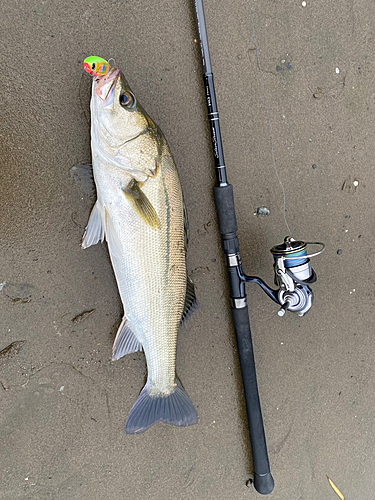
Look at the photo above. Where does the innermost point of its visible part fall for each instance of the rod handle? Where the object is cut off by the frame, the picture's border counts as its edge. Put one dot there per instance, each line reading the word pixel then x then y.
pixel 225 209
pixel 263 481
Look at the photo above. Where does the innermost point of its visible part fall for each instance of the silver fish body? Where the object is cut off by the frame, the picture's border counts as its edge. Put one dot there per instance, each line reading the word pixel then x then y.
pixel 139 210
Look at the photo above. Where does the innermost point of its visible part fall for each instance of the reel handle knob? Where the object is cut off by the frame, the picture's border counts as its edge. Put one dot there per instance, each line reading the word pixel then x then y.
pixel 283 308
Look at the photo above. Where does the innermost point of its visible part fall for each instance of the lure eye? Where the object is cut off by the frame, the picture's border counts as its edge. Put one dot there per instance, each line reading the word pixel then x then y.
pixel 93 66
pixel 127 100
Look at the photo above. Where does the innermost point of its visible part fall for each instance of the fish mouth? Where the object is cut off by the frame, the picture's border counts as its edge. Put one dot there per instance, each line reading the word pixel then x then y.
pixel 105 83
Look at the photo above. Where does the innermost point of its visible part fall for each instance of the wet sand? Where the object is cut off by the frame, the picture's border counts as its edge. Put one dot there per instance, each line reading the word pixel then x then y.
pixel 63 402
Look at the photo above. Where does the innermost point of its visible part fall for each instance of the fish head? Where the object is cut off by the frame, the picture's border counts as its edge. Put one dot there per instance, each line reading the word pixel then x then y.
pixel 116 109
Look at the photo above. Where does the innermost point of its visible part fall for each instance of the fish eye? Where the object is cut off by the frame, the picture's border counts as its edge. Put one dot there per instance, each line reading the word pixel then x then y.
pixel 127 100
pixel 93 66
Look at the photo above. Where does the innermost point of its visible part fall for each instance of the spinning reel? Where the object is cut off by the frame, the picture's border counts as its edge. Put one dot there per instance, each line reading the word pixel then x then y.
pixel 293 276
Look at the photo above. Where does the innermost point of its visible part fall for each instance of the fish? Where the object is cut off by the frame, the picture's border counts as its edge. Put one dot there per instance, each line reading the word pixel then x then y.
pixel 139 211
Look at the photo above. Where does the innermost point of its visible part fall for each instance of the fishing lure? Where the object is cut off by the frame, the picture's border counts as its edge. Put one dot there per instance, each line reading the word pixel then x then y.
pixel 96 66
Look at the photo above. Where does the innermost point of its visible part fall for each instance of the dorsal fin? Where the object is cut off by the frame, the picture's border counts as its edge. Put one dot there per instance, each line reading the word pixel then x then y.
pixel 191 302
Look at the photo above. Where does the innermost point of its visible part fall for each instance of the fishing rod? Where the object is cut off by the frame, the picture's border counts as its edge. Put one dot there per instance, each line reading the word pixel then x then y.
pixel 293 273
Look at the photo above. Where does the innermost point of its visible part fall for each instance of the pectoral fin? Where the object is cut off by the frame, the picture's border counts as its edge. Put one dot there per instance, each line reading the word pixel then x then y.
pixel 141 204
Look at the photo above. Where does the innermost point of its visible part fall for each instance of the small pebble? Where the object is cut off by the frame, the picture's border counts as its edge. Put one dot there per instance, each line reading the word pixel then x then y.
pixel 310 140
pixel 339 252
pixel 337 71
pixel 314 166
pixel 262 212
pixel 304 3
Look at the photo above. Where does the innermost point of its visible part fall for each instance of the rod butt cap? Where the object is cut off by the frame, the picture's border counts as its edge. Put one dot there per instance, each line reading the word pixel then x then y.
pixel 263 483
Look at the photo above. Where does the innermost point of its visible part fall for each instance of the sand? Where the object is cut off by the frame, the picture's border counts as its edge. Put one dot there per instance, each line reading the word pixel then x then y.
pixel 63 402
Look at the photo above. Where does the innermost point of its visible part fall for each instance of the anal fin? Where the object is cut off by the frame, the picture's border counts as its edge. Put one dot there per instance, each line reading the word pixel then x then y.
pixel 125 342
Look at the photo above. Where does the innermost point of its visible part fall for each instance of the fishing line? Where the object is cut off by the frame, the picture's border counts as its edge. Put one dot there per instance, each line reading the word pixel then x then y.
pixel 269 120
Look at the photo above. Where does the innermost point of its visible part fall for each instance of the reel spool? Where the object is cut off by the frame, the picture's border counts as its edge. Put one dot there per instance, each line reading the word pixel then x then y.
pixel 294 274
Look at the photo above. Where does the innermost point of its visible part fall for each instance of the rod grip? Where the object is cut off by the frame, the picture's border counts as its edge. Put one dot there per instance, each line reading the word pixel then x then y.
pixel 225 209
pixel 263 481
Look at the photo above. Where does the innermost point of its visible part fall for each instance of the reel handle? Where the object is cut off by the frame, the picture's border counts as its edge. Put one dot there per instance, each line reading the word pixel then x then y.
pixel 283 308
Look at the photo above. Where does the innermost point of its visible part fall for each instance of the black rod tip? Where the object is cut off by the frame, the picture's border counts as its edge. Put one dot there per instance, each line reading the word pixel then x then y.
pixel 263 483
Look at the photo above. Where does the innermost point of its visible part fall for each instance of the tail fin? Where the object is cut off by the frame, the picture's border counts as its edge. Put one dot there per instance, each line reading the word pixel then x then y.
pixel 176 409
